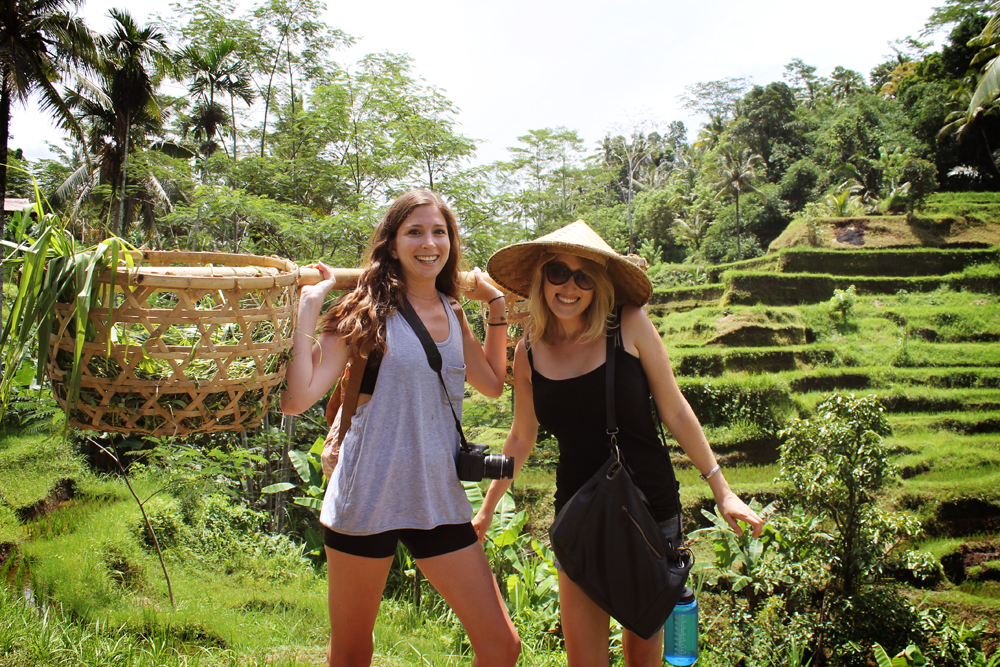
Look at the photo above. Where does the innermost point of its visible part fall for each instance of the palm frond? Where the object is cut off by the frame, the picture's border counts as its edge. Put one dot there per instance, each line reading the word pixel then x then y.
pixel 82 175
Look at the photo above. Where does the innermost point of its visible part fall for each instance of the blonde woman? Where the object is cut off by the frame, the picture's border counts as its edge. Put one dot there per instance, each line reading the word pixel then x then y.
pixel 580 292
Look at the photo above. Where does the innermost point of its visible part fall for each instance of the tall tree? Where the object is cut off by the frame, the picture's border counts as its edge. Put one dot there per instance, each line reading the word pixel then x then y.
pixel 39 42
pixel 715 98
pixel 736 173
pixel 120 108
pixel 636 147
pixel 428 134
pixel 216 68
pixel 544 163
pixel 803 80
pixel 770 127
pixel 294 43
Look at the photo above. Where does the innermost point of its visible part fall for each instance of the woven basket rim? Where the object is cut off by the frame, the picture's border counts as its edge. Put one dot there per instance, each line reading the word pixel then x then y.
pixel 204 269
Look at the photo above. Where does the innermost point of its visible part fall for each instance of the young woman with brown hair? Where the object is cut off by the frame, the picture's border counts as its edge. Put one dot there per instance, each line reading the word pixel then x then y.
pixel 396 478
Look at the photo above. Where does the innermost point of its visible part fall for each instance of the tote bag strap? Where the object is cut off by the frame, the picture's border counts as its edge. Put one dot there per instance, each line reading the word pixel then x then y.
pixel 609 391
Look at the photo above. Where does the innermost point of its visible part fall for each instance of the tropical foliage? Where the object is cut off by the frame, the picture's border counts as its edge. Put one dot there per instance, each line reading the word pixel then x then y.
pixel 278 146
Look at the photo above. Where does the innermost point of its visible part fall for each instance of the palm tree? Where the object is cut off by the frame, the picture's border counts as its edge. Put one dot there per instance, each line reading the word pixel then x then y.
pixel 96 111
pixel 844 202
pixel 216 68
pixel 735 174
pixel 120 110
pixel 39 42
pixel 970 116
pixel 691 233
pixel 135 59
pixel 988 88
pixel 711 132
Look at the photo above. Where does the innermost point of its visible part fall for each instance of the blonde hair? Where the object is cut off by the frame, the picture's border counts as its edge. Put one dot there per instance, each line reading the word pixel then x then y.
pixel 598 313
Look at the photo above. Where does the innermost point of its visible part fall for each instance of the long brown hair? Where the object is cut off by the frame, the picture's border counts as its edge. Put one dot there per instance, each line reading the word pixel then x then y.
pixel 360 315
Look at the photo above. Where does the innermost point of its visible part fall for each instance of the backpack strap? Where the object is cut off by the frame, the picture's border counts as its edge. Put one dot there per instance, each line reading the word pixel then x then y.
pixel 345 395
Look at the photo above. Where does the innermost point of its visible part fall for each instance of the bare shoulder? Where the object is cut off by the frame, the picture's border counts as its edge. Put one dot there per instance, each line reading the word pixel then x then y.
pixel 521 365
pixel 633 316
pixel 637 330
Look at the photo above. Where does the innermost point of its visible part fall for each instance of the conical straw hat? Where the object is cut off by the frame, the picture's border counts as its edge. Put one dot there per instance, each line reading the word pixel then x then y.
pixel 513 266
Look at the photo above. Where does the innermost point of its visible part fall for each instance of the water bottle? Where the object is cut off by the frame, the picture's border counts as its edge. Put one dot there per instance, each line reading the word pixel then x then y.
pixel 680 632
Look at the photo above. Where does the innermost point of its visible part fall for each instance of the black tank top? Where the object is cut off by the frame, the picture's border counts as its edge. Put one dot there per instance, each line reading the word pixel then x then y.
pixel 573 410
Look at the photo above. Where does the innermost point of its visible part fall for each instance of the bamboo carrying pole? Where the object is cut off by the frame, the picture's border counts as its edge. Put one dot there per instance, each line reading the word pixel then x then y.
pixel 265 272
pixel 348 279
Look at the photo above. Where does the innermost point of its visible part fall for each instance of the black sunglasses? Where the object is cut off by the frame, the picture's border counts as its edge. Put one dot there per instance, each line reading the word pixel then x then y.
pixel 558 273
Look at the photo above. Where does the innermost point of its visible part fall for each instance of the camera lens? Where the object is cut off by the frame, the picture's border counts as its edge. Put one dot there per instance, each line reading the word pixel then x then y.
pixel 498 466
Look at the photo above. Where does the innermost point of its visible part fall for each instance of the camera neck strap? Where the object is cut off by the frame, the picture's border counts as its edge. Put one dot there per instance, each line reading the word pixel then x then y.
pixel 433 359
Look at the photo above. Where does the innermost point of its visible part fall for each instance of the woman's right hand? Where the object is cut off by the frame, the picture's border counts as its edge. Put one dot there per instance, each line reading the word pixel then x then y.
pixel 323 287
pixel 481 523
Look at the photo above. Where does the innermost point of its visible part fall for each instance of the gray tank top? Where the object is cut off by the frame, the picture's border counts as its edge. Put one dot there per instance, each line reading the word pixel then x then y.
pixel 397 461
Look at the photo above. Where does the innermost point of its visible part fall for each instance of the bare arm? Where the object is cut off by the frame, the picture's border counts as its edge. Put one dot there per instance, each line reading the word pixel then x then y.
pixel 486 365
pixel 316 362
pixel 519 443
pixel 641 338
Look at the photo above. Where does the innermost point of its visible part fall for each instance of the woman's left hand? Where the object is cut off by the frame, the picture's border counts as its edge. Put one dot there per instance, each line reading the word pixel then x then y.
pixel 733 509
pixel 484 290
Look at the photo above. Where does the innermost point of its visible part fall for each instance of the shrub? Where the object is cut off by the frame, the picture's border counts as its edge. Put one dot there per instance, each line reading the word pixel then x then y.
pixel 842 304
pixel 123 567
pixel 837 464
pixel 800 184
pixel 166 520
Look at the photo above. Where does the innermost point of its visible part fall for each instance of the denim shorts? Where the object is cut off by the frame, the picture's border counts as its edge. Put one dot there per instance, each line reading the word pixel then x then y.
pixel 671 530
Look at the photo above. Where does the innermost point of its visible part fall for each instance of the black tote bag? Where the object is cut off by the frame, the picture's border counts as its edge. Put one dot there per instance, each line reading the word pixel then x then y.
pixel 609 544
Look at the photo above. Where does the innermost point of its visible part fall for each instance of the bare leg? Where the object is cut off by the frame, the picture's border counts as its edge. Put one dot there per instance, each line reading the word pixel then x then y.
pixel 586 626
pixel 465 581
pixel 354 593
pixel 641 652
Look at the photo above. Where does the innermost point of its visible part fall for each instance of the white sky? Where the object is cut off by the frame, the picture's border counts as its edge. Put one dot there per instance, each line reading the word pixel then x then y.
pixel 516 65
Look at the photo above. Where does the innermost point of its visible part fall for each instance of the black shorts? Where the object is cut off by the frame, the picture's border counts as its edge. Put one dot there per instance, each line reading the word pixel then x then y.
pixel 422 543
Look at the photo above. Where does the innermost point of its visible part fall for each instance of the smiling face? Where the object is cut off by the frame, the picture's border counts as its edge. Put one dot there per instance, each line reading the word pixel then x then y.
pixel 422 244
pixel 568 301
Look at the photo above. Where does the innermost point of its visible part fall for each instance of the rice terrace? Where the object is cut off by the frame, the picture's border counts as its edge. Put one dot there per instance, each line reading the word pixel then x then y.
pixel 825 259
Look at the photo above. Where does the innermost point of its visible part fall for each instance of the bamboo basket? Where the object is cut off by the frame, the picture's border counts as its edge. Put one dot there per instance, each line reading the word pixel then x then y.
pixel 158 365
pixel 195 342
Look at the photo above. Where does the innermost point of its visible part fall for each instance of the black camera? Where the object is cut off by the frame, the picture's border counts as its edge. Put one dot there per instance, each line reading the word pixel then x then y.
pixel 474 464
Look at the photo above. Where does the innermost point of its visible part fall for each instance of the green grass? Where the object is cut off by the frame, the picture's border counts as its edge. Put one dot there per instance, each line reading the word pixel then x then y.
pixel 917 399
pixel 982 205
pixel 961 422
pixel 31 466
